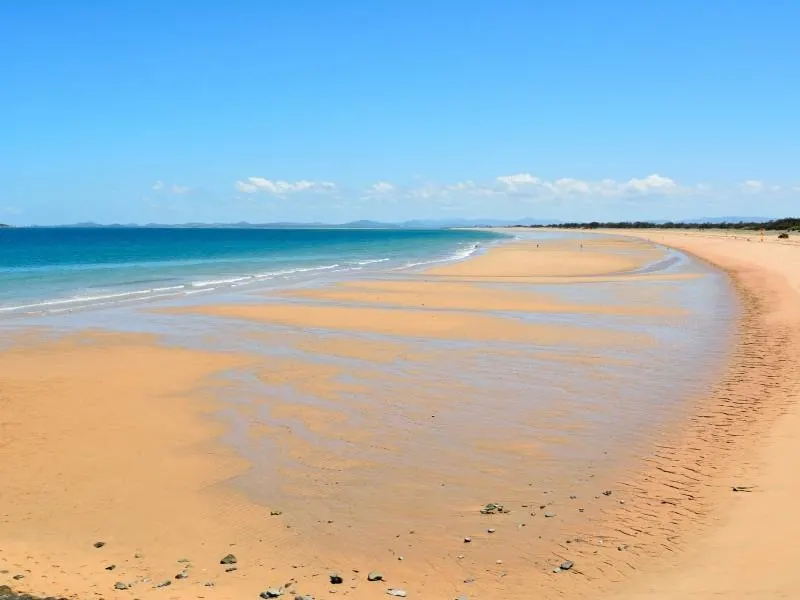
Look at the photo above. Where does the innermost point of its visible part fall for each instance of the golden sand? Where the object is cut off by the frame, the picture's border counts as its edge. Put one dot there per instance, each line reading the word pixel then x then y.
pixel 114 437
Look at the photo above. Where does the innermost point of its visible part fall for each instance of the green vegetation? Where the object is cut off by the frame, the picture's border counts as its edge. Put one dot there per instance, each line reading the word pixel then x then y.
pixel 787 224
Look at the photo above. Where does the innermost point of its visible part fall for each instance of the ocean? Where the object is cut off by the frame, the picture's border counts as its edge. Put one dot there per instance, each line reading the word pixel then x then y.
pixel 52 270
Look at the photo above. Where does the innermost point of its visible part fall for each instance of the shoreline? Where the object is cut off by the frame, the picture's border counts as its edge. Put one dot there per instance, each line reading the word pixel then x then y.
pixel 751 411
pixel 595 549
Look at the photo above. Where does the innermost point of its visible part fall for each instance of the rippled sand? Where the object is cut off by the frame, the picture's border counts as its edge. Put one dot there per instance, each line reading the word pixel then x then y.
pixel 377 417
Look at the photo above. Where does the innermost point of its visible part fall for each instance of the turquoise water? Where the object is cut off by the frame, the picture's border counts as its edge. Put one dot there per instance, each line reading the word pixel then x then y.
pixel 63 269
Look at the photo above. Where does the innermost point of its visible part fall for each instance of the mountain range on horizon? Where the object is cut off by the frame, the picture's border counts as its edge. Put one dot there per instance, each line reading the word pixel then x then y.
pixel 367 224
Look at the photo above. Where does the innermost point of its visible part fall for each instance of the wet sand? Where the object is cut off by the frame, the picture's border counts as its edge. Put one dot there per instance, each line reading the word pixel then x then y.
pixel 746 434
pixel 373 436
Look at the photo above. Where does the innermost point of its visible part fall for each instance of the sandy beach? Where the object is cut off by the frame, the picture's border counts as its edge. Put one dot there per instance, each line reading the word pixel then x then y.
pixel 362 426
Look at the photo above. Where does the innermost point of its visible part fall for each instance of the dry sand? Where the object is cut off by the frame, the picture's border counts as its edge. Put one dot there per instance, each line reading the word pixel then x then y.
pixel 748 547
pixel 112 437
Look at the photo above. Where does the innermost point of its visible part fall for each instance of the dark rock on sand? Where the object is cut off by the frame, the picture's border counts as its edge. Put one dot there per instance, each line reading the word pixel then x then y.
pixel 374 576
pixel 567 565
pixel 336 578
pixel 493 508
pixel 120 586
pixel 164 583
pixel 99 544
pixel 6 593
pixel 228 559
pixel 272 593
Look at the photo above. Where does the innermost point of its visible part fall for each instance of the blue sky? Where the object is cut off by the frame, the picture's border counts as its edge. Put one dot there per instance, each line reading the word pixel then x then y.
pixel 176 110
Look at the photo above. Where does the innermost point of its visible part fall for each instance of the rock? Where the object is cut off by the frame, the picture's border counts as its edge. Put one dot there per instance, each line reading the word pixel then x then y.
pixel 491 530
pixel 209 584
pixel 272 593
pixel 111 567
pixel 231 569
pixel 742 488
pixel 398 593
pixel 567 565
pixel 18 577
pixel 493 508
pixel 137 555
pixel 120 586
pixel 462 597
pixel 549 515
pixel 336 579
pixel 305 597
pixel 622 547
pixel 99 544
pixel 607 493
pixel 164 583
pixel 557 570
pixel 276 513
pixel 374 576
pixel 182 575
pixel 467 540
pixel 183 560
pixel 228 559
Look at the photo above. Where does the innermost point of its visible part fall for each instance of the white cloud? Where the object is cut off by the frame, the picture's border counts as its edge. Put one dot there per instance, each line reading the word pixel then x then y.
pixel 381 187
pixel 651 183
pixel 160 186
pixel 513 181
pixel 525 184
pixel 752 185
pixel 280 188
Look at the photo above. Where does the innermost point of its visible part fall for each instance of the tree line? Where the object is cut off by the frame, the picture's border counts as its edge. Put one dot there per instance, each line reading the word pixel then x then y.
pixel 787 224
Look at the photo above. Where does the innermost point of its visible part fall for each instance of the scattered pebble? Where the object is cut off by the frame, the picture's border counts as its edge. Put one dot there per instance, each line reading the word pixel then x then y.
pixel 374 576
pixel 137 555
pixel 183 560
pixel 120 586
pixel 164 583
pixel 491 530
pixel 498 562
pixel 493 508
pixel 18 577
pixel 228 559
pixel 567 565
pixel 742 488
pixel 336 578
pixel 607 493
pixel 99 544
pixel 276 513
pixel 306 597
pixel 467 540
pixel 398 593
pixel 272 593
pixel 209 584
pixel 549 515
pixel 182 575
pixel 231 569
pixel 622 547
pixel 111 567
